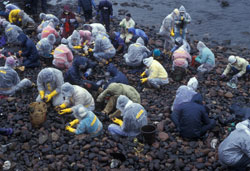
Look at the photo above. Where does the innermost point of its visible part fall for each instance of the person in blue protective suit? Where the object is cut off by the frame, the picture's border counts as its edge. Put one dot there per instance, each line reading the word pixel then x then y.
pixel 86 6
pixel 181 22
pixel 79 72
pixel 117 76
pixel 29 52
pixel 87 122
pixel 138 33
pixel 9 80
pixel 106 10
pixel 191 118
pixel 117 42
pixel 134 117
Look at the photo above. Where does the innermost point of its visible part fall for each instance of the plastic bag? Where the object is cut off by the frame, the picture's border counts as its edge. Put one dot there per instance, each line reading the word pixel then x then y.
pixel 38 112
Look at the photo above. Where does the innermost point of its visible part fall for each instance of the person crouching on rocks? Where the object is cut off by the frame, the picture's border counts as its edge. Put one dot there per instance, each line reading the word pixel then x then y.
pixel 134 117
pixel 156 74
pixel 238 65
pixel 9 80
pixel 191 119
pixel 87 122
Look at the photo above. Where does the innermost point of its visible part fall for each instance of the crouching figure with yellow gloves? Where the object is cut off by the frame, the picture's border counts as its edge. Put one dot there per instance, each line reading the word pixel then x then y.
pixel 134 117
pixel 75 95
pixel 87 122
pixel 49 82
pixel 156 74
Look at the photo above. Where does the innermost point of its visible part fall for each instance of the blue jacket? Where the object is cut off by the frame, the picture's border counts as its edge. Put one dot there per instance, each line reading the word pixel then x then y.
pixel 138 33
pixel 90 124
pixel 29 51
pixel 86 5
pixel 117 41
pixel 74 75
pixel 117 76
pixel 105 7
pixel 191 117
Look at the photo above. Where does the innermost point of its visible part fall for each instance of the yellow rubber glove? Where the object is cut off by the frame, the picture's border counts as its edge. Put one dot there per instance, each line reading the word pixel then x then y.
pixel 68 110
pixel 90 50
pixel 62 106
pixel 172 32
pixel 49 96
pixel 72 123
pixel 77 47
pixel 70 129
pixel 143 74
pixel 117 121
pixel 42 94
pixel 143 80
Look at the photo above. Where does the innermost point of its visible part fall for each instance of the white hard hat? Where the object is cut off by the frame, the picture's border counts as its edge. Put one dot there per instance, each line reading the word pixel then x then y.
pixel 232 59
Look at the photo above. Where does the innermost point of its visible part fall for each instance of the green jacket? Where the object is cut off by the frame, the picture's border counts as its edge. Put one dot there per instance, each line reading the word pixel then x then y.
pixel 120 89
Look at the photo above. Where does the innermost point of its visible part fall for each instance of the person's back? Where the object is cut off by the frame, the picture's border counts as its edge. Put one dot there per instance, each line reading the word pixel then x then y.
pixel 63 57
pixel 235 149
pixel 157 70
pixel 181 58
pixel 8 78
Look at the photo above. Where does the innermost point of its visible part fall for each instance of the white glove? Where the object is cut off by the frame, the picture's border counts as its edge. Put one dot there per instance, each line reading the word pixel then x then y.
pixel 214 143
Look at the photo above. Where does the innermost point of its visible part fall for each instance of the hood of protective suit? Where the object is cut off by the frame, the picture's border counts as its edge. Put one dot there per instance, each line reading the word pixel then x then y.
pixel 200 45
pixel 81 112
pixel 131 30
pixel 148 61
pixel 75 35
pixel 22 38
pixel 21 13
pixel 182 9
pixel 245 126
pixel 48 75
pixel 193 83
pixel 112 69
pixel 197 98
pixel 79 61
pixel 52 39
pixel 10 62
pixel 123 102
pixel 5 23
pixel 42 16
pixel 140 40
pixel 64 41
pixel 67 89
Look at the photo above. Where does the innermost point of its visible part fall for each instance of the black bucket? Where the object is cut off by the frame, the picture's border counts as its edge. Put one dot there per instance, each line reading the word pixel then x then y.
pixel 148 133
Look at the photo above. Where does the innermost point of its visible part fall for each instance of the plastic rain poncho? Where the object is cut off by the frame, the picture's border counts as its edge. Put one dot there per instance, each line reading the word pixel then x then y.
pixel 42 26
pixel 136 53
pixel 48 80
pixel 185 93
pixel 45 46
pixel 241 65
pixel 11 32
pixel 235 145
pixel 9 79
pixel 181 58
pixel 27 21
pixel 206 56
pixel 74 40
pixel 103 47
pixel 75 95
pixel 49 30
pixel 51 17
pixel 97 28
pixel 63 57
pixel 125 26
pixel 134 117
pixel 89 122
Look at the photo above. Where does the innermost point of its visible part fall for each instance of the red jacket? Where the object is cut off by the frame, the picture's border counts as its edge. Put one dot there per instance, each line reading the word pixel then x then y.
pixel 68 24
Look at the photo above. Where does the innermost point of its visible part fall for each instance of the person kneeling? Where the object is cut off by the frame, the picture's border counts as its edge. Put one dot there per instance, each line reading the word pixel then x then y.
pixel 134 117
pixel 87 122
pixel 191 119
